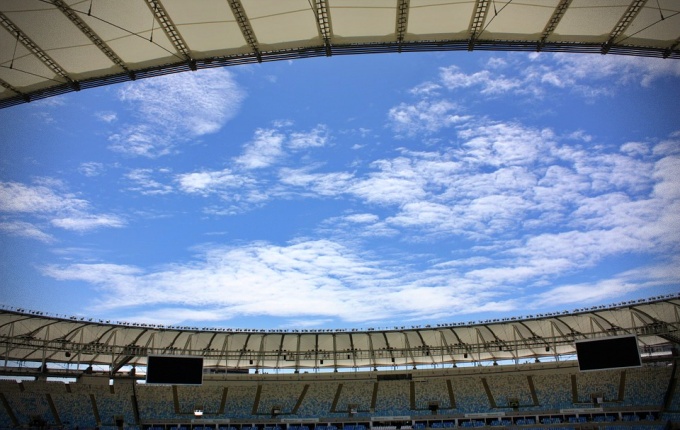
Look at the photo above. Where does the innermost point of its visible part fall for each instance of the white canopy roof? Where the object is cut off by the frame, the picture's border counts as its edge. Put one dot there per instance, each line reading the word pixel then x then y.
pixel 34 336
pixel 49 47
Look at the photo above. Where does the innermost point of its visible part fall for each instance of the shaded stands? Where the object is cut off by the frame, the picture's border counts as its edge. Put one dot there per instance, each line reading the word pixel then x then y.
pixel 544 395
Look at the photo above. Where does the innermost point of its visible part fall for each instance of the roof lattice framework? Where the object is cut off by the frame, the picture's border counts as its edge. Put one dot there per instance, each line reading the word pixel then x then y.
pixel 36 337
pixel 49 47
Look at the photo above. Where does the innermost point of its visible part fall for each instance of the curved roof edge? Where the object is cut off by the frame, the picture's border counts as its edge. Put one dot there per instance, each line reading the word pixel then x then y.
pixel 321 51
pixel 36 337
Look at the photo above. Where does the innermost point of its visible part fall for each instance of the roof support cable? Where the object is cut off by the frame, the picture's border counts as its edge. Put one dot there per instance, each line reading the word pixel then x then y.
pixel 89 10
pixel 153 23
pixel 14 54
pixel 496 12
pixel 660 11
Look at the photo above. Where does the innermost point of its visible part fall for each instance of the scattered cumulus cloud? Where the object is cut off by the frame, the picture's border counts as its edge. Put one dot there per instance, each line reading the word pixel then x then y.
pixel 173 108
pixel 27 230
pixel 265 149
pixel 44 202
pixel 424 117
pixel 144 183
pixel 91 168
pixel 106 116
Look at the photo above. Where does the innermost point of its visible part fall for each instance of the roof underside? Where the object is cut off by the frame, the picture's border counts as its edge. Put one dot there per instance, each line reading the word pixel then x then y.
pixel 50 47
pixel 38 338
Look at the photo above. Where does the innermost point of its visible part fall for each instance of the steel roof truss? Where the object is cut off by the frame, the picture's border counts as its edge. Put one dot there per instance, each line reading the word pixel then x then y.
pixel 323 24
pixel 87 31
pixel 624 22
pixel 403 8
pixel 170 30
pixel 555 19
pixel 477 21
pixel 246 28
pixel 35 50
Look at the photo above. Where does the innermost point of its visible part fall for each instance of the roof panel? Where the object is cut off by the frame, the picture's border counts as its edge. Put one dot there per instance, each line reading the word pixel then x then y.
pixel 210 30
pixel 355 19
pixel 281 25
pixel 520 21
pixel 649 29
pixel 438 19
pixel 590 20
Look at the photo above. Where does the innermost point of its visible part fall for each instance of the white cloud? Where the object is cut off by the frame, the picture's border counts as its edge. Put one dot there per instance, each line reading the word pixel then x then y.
pixel 542 73
pixel 324 184
pixel 145 184
pixel 91 168
pixel 313 280
pixel 25 229
pixel 453 78
pixel 315 138
pixel 87 222
pixel 63 210
pixel 142 140
pixel 208 182
pixel 265 149
pixel 362 218
pixel 106 116
pixel 19 198
pixel 424 117
pixel 172 109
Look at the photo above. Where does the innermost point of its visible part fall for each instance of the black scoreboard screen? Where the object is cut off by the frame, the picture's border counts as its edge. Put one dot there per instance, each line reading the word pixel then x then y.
pixel 172 370
pixel 608 353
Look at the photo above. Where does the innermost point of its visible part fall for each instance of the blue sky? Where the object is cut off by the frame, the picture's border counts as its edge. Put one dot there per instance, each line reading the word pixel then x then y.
pixel 342 192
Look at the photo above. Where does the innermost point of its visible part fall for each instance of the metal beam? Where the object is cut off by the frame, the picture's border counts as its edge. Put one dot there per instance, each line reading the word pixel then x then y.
pixel 403 7
pixel 94 38
pixel 555 19
pixel 624 22
pixel 170 30
pixel 246 28
pixel 323 24
pixel 476 22
pixel 35 50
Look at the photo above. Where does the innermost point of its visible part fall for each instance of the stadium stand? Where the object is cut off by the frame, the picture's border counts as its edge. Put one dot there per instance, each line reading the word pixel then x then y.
pixel 531 396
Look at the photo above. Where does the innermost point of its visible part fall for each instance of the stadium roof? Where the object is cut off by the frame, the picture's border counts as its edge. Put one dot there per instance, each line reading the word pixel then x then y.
pixel 50 47
pixel 34 336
